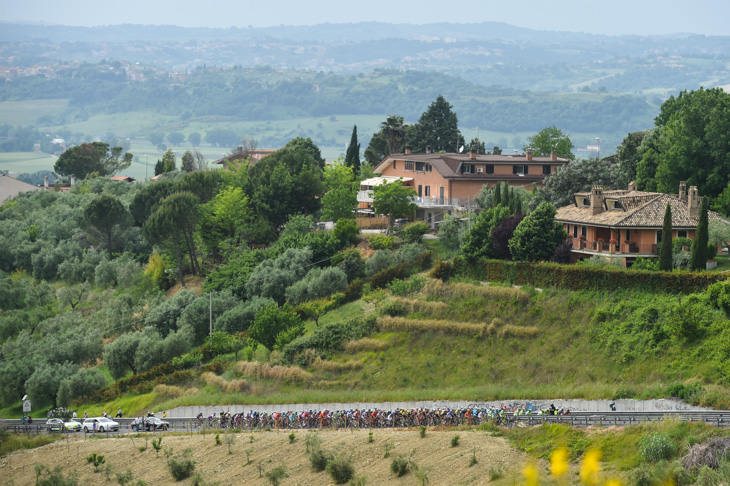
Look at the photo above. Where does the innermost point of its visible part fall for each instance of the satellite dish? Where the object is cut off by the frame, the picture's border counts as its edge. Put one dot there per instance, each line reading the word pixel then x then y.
pixel 461 149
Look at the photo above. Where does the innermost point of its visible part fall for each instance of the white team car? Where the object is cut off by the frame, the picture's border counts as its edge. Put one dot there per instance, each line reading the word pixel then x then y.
pixel 103 424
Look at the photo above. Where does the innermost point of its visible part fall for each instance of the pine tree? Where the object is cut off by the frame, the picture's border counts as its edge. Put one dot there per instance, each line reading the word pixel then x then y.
pixel 437 128
pixel 665 253
pixel 352 157
pixel 699 247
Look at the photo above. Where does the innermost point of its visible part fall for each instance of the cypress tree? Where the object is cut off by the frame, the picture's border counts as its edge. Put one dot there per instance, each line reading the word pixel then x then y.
pixel 699 247
pixel 518 206
pixel 665 253
pixel 506 195
pixel 497 198
pixel 352 157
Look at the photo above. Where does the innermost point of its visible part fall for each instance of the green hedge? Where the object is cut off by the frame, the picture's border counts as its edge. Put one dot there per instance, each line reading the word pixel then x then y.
pixel 328 339
pixel 574 277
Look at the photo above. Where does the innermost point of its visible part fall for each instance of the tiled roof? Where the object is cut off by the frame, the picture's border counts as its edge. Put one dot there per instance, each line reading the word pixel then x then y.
pixel 449 164
pixel 641 210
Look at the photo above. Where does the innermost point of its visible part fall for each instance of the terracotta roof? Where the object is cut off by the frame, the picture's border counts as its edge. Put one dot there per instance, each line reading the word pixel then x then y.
pixel 256 155
pixel 640 210
pixel 449 164
pixel 123 178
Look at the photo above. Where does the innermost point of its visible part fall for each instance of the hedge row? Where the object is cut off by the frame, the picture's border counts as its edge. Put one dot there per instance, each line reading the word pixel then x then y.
pixel 574 277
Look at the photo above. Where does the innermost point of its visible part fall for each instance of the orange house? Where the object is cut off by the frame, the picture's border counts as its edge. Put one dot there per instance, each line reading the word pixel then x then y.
pixel 446 181
pixel 628 223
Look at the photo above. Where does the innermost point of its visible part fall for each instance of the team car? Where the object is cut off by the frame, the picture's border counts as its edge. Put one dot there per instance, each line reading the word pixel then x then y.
pixel 103 424
pixel 59 425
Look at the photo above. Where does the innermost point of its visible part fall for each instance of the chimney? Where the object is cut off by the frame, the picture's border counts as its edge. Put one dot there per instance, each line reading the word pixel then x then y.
pixel 632 186
pixel 73 179
pixel 473 153
pixel 45 182
pixel 408 150
pixel 596 200
pixel 428 149
pixel 529 155
pixel 553 156
pixel 240 149
pixel 694 202
pixel 683 191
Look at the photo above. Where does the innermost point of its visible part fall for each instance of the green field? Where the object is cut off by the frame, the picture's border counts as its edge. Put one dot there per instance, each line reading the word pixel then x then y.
pixel 27 112
pixel 26 162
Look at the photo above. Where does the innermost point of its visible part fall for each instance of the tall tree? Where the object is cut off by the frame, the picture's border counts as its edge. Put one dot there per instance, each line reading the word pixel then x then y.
pixel 105 218
pixel 377 149
pixel 92 158
pixel 477 242
pixel 172 225
pixel 188 162
pixel 579 176
pixel 692 144
pixel 665 253
pixel 699 247
pixel 194 138
pixel 393 131
pixel 352 157
pixel 305 147
pixel 341 198
pixel 537 236
pixel 395 200
pixel 286 182
pixel 437 128
pixel 168 161
pixel 628 154
pixel 175 138
pixel 549 139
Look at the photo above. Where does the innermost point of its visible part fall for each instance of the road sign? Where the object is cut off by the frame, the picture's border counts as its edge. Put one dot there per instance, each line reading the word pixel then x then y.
pixel 26 405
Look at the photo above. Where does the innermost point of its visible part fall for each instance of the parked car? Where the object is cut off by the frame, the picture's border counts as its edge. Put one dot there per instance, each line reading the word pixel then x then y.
pixel 154 423
pixel 58 425
pixel 103 424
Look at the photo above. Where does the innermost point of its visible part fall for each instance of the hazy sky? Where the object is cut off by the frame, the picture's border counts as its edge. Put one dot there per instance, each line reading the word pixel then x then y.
pixel 595 16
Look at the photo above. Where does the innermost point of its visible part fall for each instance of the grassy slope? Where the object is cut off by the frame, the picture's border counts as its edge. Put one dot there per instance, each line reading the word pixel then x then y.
pixel 572 355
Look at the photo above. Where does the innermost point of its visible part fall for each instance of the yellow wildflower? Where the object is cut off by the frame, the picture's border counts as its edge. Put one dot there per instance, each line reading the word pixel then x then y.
pixel 559 462
pixel 590 466
pixel 531 475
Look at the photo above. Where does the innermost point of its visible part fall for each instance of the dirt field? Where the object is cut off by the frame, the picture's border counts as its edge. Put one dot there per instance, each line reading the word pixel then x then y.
pixel 446 465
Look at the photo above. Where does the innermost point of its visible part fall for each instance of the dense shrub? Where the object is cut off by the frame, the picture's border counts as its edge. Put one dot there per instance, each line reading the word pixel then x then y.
pixel 413 232
pixel 382 279
pixel 381 242
pixel 657 447
pixel 379 261
pixel 181 465
pixel 340 468
pixel 571 277
pixel 443 270
pixel 328 339
pixel 399 466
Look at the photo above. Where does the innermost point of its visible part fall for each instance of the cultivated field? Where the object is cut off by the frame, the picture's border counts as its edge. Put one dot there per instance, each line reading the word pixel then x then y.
pixel 444 464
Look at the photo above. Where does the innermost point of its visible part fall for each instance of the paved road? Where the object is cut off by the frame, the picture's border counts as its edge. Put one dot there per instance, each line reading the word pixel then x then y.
pixel 718 418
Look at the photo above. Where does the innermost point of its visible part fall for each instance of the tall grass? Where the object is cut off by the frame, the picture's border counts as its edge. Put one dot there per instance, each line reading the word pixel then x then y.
pixel 254 369
pixel 320 364
pixel 166 392
pixel 365 344
pixel 412 306
pixel 400 324
pixel 438 289
pixel 227 386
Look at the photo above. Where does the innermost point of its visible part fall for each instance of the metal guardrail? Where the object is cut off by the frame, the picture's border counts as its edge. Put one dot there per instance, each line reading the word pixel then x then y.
pixel 720 418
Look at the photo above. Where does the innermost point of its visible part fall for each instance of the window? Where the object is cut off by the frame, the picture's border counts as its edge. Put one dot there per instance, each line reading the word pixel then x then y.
pixel 519 169
pixel 394 164
pixel 659 236
pixel 467 169
pixel 421 166
pixel 489 169
pixel 428 167
pixel 409 165
pixel 575 231
pixel 584 231
pixel 420 190
pixel 681 233
pixel 428 191
pixel 628 235
pixel 546 170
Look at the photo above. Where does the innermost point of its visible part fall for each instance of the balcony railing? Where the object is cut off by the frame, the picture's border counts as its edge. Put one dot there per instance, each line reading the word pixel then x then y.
pixel 630 248
pixel 427 201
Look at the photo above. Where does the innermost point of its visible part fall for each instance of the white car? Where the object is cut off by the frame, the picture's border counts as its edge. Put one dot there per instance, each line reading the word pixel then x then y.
pixel 103 424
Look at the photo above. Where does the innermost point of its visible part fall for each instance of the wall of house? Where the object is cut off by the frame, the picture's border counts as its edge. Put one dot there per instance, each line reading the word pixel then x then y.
pixel 432 179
